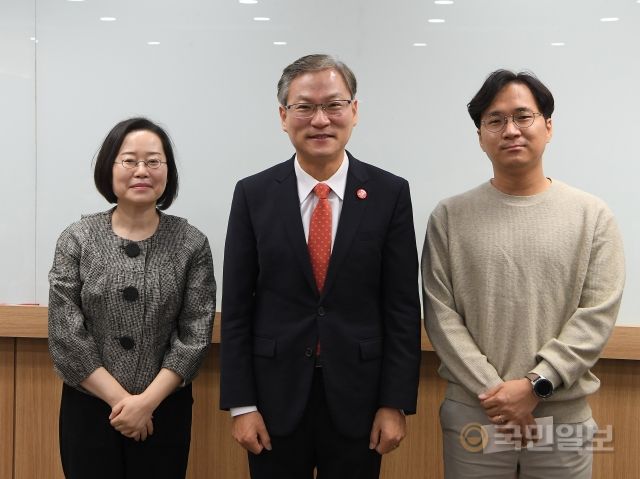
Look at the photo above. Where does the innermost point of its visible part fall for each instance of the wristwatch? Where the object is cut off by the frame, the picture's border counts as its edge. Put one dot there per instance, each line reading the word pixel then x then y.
pixel 542 387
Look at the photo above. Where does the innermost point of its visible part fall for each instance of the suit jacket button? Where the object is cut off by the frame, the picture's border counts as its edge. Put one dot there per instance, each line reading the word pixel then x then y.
pixel 308 352
pixel 126 342
pixel 321 311
pixel 130 293
pixel 132 250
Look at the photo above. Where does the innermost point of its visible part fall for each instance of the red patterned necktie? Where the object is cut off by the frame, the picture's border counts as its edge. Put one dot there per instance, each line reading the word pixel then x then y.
pixel 320 235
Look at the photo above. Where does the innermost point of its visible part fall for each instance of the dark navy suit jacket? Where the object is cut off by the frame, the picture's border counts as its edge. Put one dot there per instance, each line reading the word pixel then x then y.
pixel 367 318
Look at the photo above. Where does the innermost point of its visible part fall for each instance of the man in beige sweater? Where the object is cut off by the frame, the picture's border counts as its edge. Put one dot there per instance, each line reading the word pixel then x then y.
pixel 522 278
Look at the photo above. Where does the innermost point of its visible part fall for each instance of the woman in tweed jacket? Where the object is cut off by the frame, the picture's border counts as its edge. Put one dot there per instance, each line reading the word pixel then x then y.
pixel 131 306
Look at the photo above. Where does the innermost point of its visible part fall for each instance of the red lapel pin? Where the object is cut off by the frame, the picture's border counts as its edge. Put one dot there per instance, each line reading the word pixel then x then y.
pixel 361 193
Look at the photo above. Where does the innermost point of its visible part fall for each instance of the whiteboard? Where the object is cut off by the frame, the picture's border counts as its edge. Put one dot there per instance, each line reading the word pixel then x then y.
pixel 211 81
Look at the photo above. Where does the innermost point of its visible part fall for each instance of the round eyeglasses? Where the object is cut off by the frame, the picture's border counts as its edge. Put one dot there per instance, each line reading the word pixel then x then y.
pixel 130 163
pixel 523 119
pixel 332 108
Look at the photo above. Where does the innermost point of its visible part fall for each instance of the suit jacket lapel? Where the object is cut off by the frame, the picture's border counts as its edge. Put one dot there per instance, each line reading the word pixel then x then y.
pixel 350 217
pixel 289 205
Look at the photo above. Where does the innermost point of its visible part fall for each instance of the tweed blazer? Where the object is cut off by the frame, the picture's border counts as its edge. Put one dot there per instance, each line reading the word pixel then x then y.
pixel 130 307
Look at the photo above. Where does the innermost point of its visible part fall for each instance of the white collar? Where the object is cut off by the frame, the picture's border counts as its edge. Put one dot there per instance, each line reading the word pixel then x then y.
pixel 306 182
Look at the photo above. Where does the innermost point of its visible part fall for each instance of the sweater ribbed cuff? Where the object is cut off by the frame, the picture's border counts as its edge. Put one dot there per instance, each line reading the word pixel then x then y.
pixel 545 369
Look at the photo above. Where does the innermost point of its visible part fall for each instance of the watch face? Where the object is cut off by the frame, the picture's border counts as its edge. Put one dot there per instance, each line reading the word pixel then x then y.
pixel 543 387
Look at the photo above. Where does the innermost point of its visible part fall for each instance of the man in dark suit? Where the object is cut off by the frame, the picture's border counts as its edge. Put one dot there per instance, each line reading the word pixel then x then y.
pixel 321 315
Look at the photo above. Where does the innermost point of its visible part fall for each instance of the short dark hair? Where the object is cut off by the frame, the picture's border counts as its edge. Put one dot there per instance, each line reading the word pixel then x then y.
pixel 103 171
pixel 501 78
pixel 313 63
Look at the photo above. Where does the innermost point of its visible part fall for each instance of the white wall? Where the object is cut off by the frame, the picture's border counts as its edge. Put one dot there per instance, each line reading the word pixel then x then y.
pixel 211 82
pixel 17 152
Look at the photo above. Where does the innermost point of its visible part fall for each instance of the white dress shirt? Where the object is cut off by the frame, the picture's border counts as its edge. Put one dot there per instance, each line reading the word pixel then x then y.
pixel 308 202
pixel 308 199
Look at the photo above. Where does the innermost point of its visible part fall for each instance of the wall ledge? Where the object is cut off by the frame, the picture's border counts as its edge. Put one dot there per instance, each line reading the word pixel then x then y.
pixel 31 322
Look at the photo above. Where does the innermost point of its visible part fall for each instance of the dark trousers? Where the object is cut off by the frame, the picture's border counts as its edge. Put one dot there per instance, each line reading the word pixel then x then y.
pixel 316 444
pixel 91 448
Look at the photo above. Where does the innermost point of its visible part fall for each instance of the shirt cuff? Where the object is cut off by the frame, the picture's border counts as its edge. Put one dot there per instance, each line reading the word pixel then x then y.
pixel 237 411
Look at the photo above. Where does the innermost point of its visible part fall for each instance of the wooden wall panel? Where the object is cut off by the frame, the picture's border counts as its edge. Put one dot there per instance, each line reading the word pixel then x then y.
pixel 214 454
pixel 38 392
pixel 7 405
pixel 617 404
pixel 420 454
pixel 31 322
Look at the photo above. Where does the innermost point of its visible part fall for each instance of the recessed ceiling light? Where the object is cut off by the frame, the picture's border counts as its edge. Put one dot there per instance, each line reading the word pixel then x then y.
pixel 443 2
pixel 107 19
pixel 557 44
pixel 436 20
pixel 33 39
pixel 153 43
pixel 261 19
pixel 279 43
pixel 419 44
pixel 609 19
pixel 248 2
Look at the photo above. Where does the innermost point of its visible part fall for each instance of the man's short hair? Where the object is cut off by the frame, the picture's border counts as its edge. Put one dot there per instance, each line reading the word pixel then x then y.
pixel 501 78
pixel 103 171
pixel 314 63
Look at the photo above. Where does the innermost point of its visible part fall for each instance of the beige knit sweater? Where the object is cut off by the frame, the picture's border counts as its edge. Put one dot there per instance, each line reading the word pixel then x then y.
pixel 514 284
